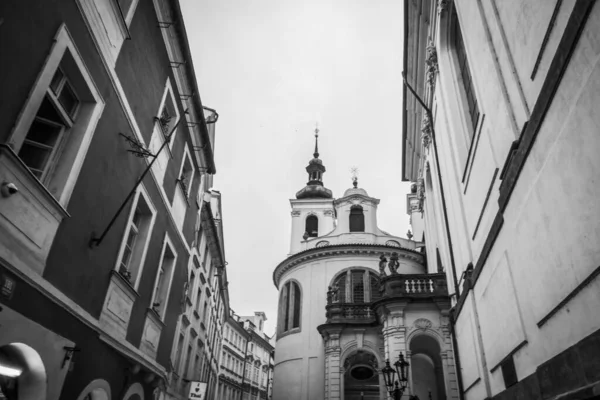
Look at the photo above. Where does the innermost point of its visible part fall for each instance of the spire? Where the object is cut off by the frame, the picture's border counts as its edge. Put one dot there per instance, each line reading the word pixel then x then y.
pixel 315 169
pixel 316 153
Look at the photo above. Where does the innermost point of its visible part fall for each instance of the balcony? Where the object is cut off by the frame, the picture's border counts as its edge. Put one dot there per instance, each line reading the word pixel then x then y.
pixel 353 313
pixel 414 286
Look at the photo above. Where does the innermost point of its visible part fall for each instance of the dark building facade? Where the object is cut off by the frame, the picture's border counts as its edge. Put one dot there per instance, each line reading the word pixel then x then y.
pixel 103 149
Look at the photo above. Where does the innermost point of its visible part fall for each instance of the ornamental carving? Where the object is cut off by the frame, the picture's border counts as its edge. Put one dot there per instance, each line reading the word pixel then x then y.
pixel 393 264
pixel 420 193
pixel 431 61
pixel 322 243
pixel 426 130
pixel 442 6
pixel 295 213
pixel 382 264
pixel 392 243
pixel 328 212
pixel 423 323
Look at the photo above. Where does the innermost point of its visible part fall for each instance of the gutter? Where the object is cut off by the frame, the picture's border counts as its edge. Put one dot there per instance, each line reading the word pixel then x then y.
pixel 189 65
pixel 404 112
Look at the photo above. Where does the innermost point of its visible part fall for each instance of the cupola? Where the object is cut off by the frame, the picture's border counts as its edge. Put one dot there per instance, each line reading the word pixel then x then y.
pixel 314 188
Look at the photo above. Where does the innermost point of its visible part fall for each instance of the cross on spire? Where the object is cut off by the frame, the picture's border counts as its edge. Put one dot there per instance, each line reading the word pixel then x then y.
pixel 316 153
pixel 354 172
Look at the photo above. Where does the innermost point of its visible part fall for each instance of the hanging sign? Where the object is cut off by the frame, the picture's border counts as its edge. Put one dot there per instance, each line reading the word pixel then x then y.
pixel 197 391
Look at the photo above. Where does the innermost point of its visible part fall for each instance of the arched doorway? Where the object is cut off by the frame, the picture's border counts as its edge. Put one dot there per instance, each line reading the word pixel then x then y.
pixel 22 373
pixel 361 380
pixel 427 374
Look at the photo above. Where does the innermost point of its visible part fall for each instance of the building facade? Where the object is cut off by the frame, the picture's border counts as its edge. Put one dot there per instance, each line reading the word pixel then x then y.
pixel 500 139
pixel 258 369
pixel 104 156
pixel 353 296
pixel 205 303
pixel 233 355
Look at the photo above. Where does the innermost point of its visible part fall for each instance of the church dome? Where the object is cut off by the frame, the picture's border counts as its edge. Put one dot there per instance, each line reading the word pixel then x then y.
pixel 314 191
pixel 352 191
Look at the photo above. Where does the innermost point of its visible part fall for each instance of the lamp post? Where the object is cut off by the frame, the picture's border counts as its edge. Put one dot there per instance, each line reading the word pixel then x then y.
pixel 396 387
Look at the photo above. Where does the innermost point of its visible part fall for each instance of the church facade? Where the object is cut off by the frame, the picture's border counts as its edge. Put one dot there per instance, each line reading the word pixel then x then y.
pixel 352 296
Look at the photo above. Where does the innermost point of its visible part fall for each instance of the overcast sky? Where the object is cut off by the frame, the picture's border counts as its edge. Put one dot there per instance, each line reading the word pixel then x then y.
pixel 272 69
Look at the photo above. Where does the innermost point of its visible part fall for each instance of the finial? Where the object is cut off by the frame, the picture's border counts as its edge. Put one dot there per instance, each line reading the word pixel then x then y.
pixel 354 172
pixel 316 153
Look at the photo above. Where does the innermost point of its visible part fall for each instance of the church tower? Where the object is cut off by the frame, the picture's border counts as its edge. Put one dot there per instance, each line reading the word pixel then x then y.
pixel 313 214
pixel 352 296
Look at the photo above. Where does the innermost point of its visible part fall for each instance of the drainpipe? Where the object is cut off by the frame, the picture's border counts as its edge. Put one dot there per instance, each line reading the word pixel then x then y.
pixel 448 236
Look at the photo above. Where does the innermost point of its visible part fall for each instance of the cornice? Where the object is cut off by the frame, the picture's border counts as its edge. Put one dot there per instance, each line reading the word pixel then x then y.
pixel 336 250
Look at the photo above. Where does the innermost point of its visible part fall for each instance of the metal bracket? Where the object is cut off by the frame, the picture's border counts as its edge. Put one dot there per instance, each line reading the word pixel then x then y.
pixel 165 24
pixel 68 354
pixel 137 149
pixel 177 64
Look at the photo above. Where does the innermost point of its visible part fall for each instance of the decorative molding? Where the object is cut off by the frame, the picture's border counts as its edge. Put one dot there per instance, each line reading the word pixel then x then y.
pixel 442 6
pixel 295 213
pixel 336 250
pixel 431 60
pixel 322 243
pixel 423 323
pixel 426 131
pixel 328 212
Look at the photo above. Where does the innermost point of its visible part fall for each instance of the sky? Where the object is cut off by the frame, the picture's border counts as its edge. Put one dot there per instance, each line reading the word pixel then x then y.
pixel 273 69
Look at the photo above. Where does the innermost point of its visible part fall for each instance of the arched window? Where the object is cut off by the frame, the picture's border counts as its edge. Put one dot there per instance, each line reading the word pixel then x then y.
pixel 290 307
pixel 357 219
pixel 357 286
pixel 465 72
pixel 312 226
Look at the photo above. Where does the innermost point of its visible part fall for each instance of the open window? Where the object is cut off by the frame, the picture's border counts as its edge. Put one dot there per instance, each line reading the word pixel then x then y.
pixel 357 219
pixel 136 238
pixel 312 226
pixel 164 277
pixel 54 130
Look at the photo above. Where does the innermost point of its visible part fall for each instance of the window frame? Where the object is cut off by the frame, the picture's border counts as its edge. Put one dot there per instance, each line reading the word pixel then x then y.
pixel 163 307
pixel 141 192
pixel 348 295
pixel 287 313
pixel 463 91
pixel 362 215
pixel 74 148
pixel 306 225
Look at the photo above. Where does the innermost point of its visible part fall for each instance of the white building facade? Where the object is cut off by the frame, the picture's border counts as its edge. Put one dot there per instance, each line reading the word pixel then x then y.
pixel 233 356
pixel 505 198
pixel 352 296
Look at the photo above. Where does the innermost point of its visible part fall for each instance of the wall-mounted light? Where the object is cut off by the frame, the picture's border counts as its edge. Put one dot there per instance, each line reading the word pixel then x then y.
pixel 10 371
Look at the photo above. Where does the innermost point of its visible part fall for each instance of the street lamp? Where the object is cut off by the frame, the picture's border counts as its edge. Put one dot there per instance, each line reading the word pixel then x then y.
pixel 396 387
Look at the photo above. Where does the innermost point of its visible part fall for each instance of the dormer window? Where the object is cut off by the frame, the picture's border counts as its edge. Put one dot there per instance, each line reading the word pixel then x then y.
pixel 312 226
pixel 357 219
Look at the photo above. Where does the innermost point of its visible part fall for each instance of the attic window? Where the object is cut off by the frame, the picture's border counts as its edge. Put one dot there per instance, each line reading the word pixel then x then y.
pixel 312 226
pixel 357 219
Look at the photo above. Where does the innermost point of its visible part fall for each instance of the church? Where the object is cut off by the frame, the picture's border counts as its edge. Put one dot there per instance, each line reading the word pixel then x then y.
pixel 353 297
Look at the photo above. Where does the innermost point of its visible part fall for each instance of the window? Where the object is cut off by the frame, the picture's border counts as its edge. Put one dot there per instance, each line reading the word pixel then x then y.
pixel 179 351
pixel 166 119
pixel 357 219
pixel 186 175
pixel 188 358
pixel 163 278
pixel 465 73
pixel 55 127
pixel 363 286
pixel 136 238
pixel 312 226
pixel 196 371
pixel 290 307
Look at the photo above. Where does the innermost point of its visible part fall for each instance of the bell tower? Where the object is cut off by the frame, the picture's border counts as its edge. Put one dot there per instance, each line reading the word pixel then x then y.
pixel 313 214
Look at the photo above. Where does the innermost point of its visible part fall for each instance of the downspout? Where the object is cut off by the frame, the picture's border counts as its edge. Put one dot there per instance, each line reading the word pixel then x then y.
pixel 448 236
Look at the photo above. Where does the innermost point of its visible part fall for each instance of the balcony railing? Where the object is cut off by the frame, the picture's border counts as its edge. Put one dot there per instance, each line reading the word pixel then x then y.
pixel 414 285
pixel 350 313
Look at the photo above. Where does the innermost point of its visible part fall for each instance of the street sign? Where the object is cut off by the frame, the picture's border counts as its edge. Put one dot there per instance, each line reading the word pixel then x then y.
pixel 197 391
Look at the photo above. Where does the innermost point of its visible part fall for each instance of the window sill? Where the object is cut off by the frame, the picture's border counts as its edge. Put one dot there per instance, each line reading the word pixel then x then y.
pixel 290 332
pixel 31 216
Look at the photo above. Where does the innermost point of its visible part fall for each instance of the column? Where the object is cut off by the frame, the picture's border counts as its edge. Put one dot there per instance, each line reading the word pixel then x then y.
pixel 332 365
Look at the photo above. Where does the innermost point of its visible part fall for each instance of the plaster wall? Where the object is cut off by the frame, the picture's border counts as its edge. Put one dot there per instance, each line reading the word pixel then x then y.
pixel 548 243
pixel 301 209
